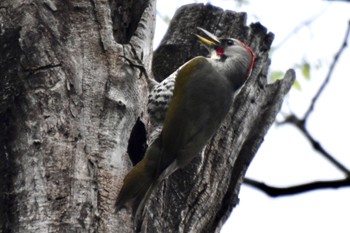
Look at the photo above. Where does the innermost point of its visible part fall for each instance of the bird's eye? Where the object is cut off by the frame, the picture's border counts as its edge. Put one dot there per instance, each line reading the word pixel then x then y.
pixel 230 42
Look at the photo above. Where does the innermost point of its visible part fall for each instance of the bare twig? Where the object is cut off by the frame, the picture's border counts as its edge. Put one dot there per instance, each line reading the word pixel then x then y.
pixel 330 72
pixel 299 27
pixel 297 189
pixel 300 124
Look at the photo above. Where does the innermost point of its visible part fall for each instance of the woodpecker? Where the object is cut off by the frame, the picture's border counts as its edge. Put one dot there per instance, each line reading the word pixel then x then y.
pixel 192 112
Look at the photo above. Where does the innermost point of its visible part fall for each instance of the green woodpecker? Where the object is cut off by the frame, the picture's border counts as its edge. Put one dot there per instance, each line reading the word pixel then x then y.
pixel 201 99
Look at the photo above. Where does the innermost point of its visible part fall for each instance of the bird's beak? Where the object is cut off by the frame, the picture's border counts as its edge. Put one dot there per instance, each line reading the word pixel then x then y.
pixel 212 40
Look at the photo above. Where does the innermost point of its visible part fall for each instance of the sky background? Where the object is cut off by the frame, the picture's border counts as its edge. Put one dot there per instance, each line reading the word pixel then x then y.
pixel 286 157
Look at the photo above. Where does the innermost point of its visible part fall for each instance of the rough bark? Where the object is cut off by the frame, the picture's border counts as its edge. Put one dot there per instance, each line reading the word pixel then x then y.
pixel 72 89
pixel 67 110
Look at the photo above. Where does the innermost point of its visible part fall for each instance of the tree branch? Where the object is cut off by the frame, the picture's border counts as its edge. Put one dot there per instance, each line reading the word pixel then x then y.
pixel 206 191
pixel 297 189
pixel 299 27
pixel 301 123
pixel 330 72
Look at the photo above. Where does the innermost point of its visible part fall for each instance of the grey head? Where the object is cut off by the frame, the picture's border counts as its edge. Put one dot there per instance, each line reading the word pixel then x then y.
pixel 230 57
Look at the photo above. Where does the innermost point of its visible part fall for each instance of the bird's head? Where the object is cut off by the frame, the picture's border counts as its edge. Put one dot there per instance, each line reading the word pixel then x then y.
pixel 221 49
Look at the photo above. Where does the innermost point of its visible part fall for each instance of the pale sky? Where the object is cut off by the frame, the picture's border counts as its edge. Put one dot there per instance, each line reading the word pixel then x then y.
pixel 285 157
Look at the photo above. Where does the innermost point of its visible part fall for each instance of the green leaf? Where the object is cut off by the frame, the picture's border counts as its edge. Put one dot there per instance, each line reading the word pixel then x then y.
pixel 276 75
pixel 306 70
pixel 296 85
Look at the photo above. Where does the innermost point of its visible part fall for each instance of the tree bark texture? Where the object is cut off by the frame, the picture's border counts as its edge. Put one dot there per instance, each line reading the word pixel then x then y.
pixel 69 103
pixel 74 80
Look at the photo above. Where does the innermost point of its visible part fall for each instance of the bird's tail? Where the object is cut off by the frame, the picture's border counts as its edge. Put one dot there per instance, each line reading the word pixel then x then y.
pixel 136 184
pixel 139 182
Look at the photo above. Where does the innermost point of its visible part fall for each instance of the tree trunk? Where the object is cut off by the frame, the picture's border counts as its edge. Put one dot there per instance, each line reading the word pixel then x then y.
pixel 75 78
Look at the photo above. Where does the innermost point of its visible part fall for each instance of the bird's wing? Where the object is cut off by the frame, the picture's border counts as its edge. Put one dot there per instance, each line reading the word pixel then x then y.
pixel 195 112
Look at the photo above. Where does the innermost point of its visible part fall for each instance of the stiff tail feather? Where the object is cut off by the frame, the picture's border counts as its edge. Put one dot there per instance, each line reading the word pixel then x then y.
pixel 140 181
pixel 135 187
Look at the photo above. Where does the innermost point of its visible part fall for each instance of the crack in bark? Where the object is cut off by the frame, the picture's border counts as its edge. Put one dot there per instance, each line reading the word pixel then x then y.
pixel 46 67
